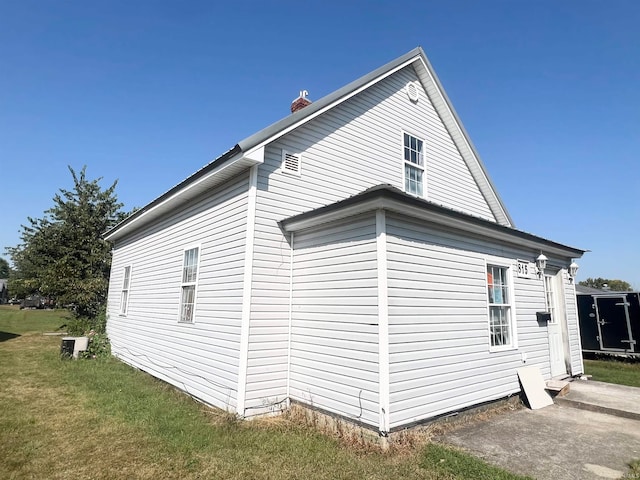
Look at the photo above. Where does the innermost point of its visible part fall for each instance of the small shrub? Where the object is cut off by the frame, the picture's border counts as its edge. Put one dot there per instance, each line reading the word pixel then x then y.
pixel 94 328
pixel 77 327
pixel 99 346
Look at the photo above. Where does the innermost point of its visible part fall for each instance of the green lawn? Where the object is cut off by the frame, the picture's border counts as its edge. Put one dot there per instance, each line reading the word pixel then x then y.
pixel 614 371
pixel 101 419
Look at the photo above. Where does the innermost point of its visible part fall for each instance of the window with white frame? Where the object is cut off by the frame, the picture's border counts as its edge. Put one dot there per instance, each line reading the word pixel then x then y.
pixel 413 165
pixel 189 282
pixel 500 311
pixel 550 297
pixel 124 295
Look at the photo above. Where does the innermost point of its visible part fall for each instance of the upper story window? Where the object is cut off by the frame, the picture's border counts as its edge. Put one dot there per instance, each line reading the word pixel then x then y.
pixel 189 283
pixel 499 292
pixel 124 296
pixel 413 165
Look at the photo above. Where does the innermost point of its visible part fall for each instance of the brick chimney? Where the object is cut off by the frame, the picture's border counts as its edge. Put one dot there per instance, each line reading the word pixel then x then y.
pixel 300 102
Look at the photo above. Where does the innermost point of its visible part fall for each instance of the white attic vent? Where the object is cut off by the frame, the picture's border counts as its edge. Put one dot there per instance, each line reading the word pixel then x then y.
pixel 412 91
pixel 290 162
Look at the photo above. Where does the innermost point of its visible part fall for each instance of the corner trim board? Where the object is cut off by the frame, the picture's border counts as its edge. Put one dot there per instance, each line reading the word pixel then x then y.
pixel 383 324
pixel 290 326
pixel 246 291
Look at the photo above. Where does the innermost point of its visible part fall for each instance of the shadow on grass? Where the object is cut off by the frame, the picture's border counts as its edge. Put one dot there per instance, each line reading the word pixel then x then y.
pixel 4 336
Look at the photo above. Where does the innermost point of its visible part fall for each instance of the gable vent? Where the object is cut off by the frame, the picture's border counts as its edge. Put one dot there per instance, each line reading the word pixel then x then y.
pixel 412 91
pixel 290 162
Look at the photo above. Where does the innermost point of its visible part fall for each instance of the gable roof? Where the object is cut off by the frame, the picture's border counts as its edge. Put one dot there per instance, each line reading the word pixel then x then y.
pixel 250 151
pixel 392 199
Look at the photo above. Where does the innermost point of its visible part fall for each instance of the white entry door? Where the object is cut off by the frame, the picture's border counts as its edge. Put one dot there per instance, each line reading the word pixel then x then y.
pixel 554 307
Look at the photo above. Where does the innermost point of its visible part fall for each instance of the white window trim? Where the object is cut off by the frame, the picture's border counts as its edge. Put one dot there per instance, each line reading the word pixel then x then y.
pixel 513 318
pixel 185 284
pixel 404 162
pixel 124 305
pixel 286 152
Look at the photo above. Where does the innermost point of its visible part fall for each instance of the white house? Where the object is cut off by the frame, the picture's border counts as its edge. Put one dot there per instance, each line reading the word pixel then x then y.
pixel 354 257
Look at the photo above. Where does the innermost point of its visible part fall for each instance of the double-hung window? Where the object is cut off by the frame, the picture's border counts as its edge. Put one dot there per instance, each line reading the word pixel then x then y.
pixel 413 165
pixel 500 307
pixel 189 282
pixel 124 295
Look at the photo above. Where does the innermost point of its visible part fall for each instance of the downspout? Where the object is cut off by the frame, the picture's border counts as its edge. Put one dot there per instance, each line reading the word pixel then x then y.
pixel 246 291
pixel 383 324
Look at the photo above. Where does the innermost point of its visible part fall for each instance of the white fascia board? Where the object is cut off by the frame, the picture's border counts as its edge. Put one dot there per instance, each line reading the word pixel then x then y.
pixel 361 207
pixel 256 154
pixel 441 219
pixel 473 228
pixel 253 157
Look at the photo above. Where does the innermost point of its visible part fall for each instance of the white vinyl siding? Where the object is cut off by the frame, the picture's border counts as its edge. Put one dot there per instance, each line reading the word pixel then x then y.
pixel 438 328
pixel 189 285
pixel 346 150
pixel 201 358
pixel 124 294
pixel 334 338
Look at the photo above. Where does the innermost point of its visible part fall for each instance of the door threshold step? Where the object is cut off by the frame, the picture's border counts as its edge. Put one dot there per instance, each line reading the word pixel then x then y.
pixel 559 387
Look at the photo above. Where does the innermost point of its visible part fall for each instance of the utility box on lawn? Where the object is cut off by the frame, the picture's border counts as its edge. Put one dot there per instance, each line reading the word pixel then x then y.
pixel 72 346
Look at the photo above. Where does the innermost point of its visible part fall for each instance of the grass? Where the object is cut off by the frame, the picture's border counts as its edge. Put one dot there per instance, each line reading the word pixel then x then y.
pixel 14 321
pixel 634 470
pixel 614 371
pixel 102 419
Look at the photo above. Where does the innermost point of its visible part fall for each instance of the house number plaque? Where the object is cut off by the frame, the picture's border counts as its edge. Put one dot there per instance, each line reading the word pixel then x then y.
pixel 526 269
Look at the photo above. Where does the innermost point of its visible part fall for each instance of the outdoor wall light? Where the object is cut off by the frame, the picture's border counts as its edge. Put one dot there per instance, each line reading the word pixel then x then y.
pixel 573 270
pixel 541 263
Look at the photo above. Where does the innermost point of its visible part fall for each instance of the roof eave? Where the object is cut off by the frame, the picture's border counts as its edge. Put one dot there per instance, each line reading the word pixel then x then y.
pixel 223 168
pixel 390 199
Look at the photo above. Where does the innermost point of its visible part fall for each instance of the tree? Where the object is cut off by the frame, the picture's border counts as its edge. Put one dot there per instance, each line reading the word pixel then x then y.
pixel 4 268
pixel 63 255
pixel 601 283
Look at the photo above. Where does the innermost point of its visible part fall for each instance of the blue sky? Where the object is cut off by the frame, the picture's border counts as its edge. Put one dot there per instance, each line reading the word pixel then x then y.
pixel 147 92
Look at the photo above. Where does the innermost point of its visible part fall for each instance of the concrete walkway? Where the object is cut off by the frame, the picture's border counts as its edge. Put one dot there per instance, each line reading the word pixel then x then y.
pixel 618 400
pixel 572 440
